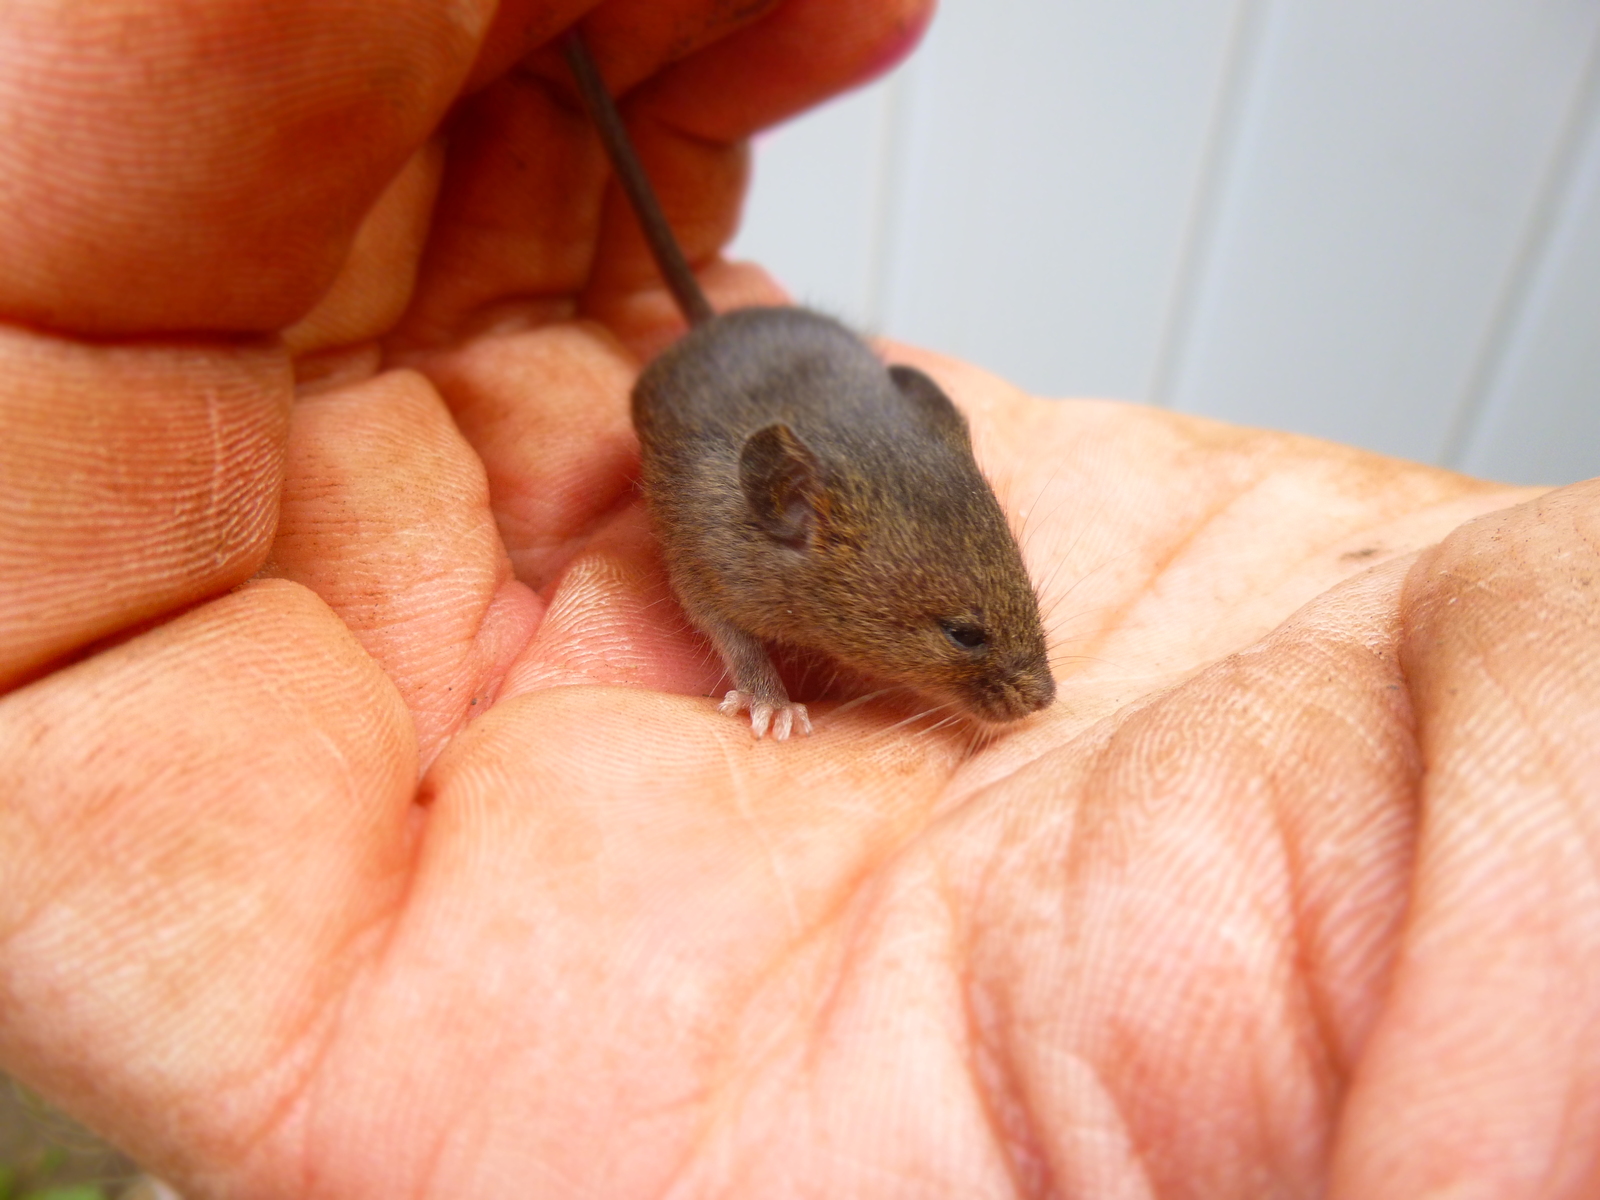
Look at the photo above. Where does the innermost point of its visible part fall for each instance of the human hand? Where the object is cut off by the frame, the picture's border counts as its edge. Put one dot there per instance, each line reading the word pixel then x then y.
pixel 1290 884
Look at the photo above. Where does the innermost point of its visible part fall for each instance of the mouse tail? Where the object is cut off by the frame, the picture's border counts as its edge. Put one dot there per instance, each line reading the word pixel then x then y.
pixel 664 246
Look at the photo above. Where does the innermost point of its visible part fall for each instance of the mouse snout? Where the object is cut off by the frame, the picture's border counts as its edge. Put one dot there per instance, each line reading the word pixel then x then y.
pixel 1014 693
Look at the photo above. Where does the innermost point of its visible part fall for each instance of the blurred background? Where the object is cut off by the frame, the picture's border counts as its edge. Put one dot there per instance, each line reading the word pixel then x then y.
pixel 1376 221
pixel 46 1156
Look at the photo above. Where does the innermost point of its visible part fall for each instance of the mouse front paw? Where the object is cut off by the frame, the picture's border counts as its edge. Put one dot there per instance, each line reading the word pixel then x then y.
pixel 781 718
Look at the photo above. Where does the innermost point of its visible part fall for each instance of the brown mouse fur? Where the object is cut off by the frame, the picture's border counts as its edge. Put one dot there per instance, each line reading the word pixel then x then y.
pixel 807 495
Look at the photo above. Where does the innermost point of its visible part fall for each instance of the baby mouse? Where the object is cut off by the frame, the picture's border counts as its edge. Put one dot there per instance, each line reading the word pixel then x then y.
pixel 807 495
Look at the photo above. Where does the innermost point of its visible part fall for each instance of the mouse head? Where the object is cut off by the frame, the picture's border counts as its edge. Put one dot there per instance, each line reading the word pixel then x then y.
pixel 898 558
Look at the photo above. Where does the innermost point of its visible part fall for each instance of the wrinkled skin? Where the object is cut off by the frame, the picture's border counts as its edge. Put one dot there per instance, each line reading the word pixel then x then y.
pixel 376 835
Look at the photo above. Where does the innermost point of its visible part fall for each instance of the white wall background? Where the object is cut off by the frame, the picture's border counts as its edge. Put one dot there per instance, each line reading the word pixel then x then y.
pixel 1376 221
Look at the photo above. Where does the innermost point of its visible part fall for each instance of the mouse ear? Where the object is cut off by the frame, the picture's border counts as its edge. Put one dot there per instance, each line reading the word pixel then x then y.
pixel 929 399
pixel 783 484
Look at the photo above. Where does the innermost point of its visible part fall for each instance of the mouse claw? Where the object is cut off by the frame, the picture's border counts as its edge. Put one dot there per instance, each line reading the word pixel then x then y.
pixel 760 719
pixel 782 720
pixel 793 715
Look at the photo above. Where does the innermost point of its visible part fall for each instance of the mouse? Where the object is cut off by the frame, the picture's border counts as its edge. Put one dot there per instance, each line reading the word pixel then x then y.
pixel 808 495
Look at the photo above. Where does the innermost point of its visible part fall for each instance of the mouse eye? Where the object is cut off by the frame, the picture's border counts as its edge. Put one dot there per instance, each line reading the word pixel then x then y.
pixel 964 635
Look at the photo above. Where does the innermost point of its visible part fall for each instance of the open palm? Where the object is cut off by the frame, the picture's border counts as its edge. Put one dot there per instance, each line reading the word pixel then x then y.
pixel 420 862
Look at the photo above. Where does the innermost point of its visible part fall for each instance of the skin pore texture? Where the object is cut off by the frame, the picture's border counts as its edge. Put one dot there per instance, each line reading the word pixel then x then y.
pixel 365 825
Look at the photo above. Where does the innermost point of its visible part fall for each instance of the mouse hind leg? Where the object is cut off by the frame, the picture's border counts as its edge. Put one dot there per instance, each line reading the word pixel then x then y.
pixel 756 684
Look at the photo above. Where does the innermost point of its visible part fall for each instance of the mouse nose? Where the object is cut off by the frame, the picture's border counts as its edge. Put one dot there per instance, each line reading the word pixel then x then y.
pixel 1040 691
pixel 1034 689
pixel 1019 691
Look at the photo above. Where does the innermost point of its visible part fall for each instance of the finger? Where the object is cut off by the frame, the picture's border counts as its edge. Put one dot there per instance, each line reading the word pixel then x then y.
pixel 517 219
pixel 546 411
pixel 514 226
pixel 386 517
pixel 519 28
pixel 654 30
pixel 691 123
pixel 149 146
pixel 138 479
pixel 1484 1077
pixel 204 833
pixel 520 209
pixel 613 620
pixel 340 336
pixel 513 245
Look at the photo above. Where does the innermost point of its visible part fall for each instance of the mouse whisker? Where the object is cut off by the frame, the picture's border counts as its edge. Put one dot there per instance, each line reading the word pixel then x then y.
pixel 1027 515
pixel 1049 608
pixel 858 701
pixel 938 725
pixel 1103 564
pixel 1099 662
pixel 927 712
pixel 977 739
